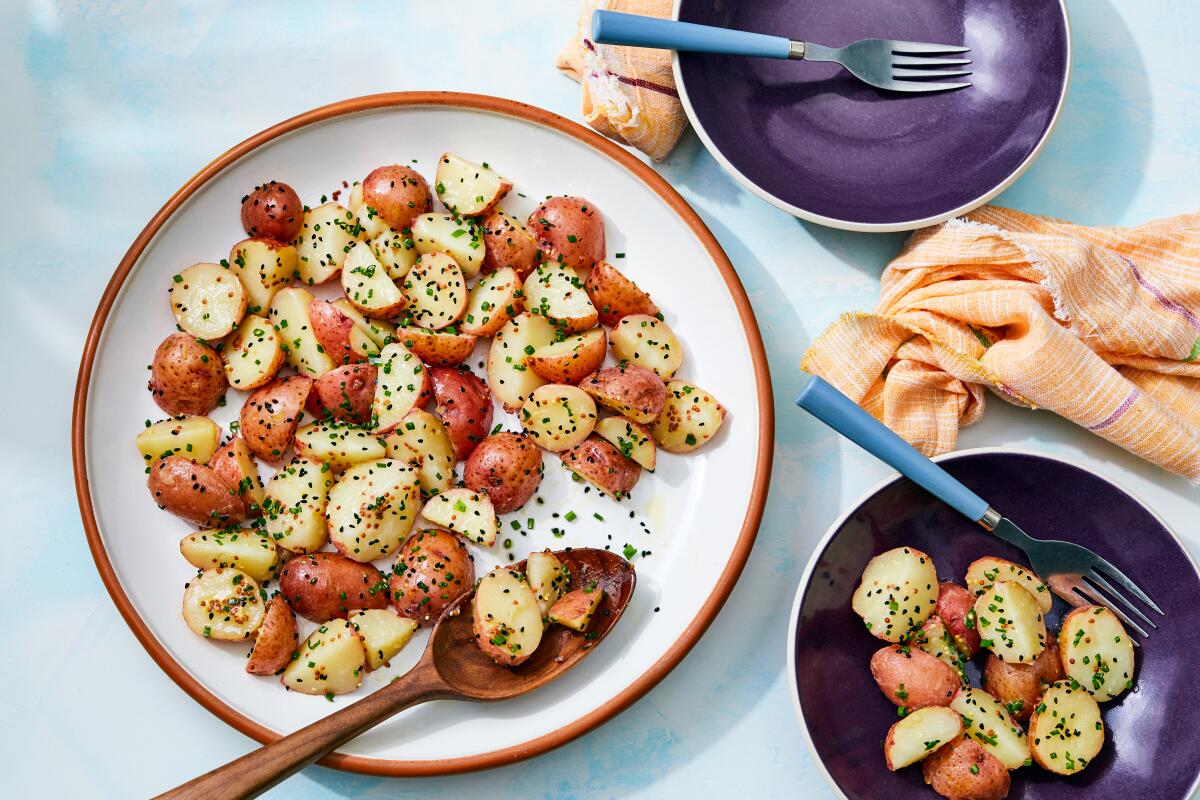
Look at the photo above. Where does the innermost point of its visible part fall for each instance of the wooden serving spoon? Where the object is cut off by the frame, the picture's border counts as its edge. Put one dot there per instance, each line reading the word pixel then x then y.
pixel 451 668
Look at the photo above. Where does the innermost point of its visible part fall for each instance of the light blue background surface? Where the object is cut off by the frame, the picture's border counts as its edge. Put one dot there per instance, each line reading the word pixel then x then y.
pixel 111 106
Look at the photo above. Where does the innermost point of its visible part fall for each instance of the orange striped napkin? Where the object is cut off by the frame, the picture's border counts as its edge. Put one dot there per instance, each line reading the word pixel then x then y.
pixel 628 92
pixel 1099 325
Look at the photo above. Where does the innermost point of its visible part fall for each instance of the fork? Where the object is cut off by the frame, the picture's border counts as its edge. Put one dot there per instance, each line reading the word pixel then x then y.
pixel 889 64
pixel 1074 573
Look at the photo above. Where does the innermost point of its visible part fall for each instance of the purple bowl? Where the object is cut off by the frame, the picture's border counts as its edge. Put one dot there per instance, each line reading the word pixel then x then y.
pixel 818 143
pixel 1152 749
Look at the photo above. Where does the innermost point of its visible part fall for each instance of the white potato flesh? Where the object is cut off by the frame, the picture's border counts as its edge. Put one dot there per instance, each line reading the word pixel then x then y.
pixel 338 445
pixel 1097 652
pixel 1066 729
pixel 436 291
pixel 194 437
pixel 548 579
pixel 370 220
pixel 507 614
pixel 289 315
pixel 647 342
pixel 898 592
pixel 919 734
pixel 223 604
pixel 987 721
pixel 690 417
pixel 398 386
pixel 240 548
pixel 1010 623
pixel 326 238
pixel 207 300
pixel 509 377
pixel 934 638
pixel 264 267
pixel 384 634
pixel 253 355
pixel 368 287
pixel 371 508
pixel 468 188
pixel 558 416
pixel 493 301
pixel 462 238
pixel 467 513
pixel 380 332
pixel 986 571
pixel 555 292
pixel 421 440
pixel 331 662
pixel 633 440
pixel 396 251
pixel 294 509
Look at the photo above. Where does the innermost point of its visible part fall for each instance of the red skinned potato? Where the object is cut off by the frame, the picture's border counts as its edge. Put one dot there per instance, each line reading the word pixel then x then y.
pixel 187 376
pixel 322 586
pixel 601 464
pixel 235 465
pixel 432 571
pixel 572 359
pixel 437 348
pixel 912 678
pixel 194 492
pixel 506 466
pixel 615 296
pixel 569 231
pixel 508 243
pixel 273 211
pixel 276 641
pixel 344 394
pixel 632 391
pixel 337 334
pixel 398 193
pixel 964 770
pixel 1019 686
pixel 465 406
pixel 956 607
pixel 271 415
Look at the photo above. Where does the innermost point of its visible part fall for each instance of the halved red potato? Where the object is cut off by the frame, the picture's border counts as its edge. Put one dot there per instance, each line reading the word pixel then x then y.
pixel 186 376
pixel 338 335
pixel 569 230
pixel 1019 687
pixel 378 331
pixel 1097 652
pixel 632 391
pixel 372 508
pixel 918 734
pixel 507 620
pixel 324 586
pixel 194 492
pixel 437 348
pixel 461 237
pixel 465 406
pixel 234 464
pixel 432 571
pixel 207 300
pixel 558 416
pixel 964 770
pixel 270 416
pixel 912 678
pixel 494 300
pixel 690 418
pixel 294 508
pixel 934 639
pixel 384 634
pixel 436 291
pixel 396 251
pixel 422 440
pixel 548 578
pixel 241 548
pixel 253 355
pixel 338 445
pixel 509 376
pixel 1066 729
pixel 193 437
pixel 398 193
pixel 329 232
pixel 1010 623
pixel 615 296
pixel 897 593
pixel 556 293
pixel 223 604
pixel 508 466
pixel 634 441
pixel 572 359
pixel 332 662
pixel 274 211
pixel 369 219
pixel 264 266
pixel 988 722
pixel 289 315
pixel 984 572
pixel 509 244
pixel 401 384
pixel 575 609
pixel 468 188
pixel 344 394
pixel 368 287
pixel 467 513
pixel 602 465
pixel 647 342
pixel 956 607
pixel 276 641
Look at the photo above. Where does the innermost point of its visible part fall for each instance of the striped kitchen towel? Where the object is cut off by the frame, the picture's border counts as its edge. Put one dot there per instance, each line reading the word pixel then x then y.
pixel 628 92
pixel 1099 325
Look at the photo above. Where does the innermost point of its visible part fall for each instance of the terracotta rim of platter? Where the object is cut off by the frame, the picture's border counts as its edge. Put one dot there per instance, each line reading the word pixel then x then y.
pixel 694 630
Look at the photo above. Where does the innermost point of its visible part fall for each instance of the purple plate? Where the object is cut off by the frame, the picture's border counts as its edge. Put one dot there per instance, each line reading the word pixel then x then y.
pixel 815 141
pixel 1152 749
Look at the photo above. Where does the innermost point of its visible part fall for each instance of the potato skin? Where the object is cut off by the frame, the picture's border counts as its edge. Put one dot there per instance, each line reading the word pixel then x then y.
pixel 615 296
pixel 954 604
pixel 465 406
pixel 948 772
pixel 602 464
pixel 398 193
pixel 508 243
pixel 508 467
pixel 332 329
pixel 271 415
pixel 569 230
pixel 912 678
pixel 1021 683
pixel 194 492
pixel 436 560
pixel 313 585
pixel 186 376
pixel 276 640
pixel 273 211
pixel 633 391
pixel 344 394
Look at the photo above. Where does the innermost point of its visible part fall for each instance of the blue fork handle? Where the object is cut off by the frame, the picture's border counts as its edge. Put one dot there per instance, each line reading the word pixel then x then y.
pixel 612 27
pixel 846 417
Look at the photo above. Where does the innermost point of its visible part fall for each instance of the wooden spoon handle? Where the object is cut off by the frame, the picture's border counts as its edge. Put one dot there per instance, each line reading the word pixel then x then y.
pixel 255 772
